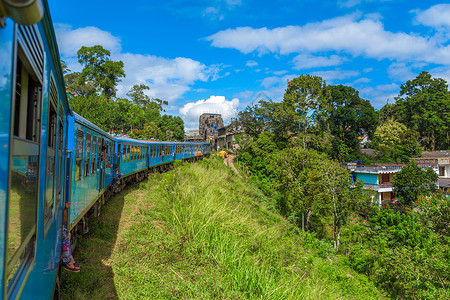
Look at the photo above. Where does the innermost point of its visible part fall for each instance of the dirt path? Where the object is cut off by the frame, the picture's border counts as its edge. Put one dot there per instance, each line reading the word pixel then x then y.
pixel 229 162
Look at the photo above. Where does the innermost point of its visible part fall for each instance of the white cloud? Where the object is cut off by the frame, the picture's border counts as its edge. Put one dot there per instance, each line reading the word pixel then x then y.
pixel 440 72
pixel 349 34
pixel 245 95
pixel 167 78
pixel 280 72
pixel 191 111
pixel 361 80
pixel 381 94
pixel 270 81
pixel 307 61
pixel 331 75
pixel 400 71
pixel 233 3
pixel 435 16
pixel 403 72
pixel 251 63
pixel 349 3
pixel 213 13
pixel 71 40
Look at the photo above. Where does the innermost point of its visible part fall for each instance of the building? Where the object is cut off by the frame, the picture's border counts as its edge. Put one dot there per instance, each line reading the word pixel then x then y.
pixel 377 179
pixel 193 136
pixel 442 159
pixel 226 138
pixel 209 125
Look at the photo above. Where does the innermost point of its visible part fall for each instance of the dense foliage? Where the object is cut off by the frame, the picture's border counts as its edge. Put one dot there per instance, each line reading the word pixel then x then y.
pixel 293 150
pixel 139 116
pixel 411 182
pixel 201 232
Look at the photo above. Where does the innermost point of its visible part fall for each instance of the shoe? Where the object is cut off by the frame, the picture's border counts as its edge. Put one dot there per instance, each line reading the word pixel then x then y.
pixel 74 269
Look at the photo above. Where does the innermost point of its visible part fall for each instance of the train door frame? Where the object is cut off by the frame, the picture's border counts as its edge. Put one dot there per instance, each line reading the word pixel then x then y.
pixel 102 163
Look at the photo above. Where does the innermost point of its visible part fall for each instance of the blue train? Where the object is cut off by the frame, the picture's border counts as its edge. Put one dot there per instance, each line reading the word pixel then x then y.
pixel 49 156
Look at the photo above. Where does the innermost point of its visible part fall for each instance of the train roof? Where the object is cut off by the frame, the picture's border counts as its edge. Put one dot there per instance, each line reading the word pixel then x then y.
pixel 91 125
pixel 127 139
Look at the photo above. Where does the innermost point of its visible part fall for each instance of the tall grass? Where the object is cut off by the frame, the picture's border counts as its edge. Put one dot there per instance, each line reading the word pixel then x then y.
pixel 201 234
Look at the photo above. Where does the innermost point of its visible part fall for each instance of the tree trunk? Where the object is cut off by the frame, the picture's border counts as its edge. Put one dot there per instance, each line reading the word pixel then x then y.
pixel 337 235
pixel 308 217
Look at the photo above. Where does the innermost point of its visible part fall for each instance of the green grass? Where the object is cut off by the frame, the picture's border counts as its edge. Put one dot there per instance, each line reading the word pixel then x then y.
pixel 201 232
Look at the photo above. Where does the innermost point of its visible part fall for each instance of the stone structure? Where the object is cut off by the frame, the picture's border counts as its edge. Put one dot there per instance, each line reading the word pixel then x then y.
pixel 193 136
pixel 209 125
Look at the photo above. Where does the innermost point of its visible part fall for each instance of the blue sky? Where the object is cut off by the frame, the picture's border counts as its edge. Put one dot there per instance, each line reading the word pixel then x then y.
pixel 220 56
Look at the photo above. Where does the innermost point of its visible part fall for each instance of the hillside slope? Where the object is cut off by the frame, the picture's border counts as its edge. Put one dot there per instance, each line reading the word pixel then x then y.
pixel 200 232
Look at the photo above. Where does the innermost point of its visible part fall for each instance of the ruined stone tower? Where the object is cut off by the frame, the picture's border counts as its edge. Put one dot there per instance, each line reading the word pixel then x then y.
pixel 209 125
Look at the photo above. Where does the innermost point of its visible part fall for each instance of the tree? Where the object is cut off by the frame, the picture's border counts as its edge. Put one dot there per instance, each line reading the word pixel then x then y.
pixel 311 183
pixel 64 67
pixel 349 117
pixel 396 142
pixel 99 69
pixel 171 128
pixel 298 181
pixel 256 119
pixel 304 106
pixel 150 131
pixel 424 105
pixel 81 88
pixel 411 181
pixel 137 96
pixel 342 196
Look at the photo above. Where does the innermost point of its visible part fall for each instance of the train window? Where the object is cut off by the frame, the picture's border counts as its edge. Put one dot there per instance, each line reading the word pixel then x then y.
pixel 51 152
pixel 87 154
pixel 108 154
pixel 25 144
pixel 99 152
pixel 131 152
pixel 27 110
pixel 94 153
pixel 124 155
pixel 59 173
pixel 79 155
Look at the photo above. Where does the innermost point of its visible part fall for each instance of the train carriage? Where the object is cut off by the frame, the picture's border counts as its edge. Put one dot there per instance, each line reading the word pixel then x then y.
pixel 131 157
pixel 33 123
pixel 50 156
pixel 92 166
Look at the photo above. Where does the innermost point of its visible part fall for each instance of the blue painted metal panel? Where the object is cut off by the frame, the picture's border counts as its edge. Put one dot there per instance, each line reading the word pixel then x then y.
pixel 131 165
pixel 41 278
pixel 85 191
pixel 6 69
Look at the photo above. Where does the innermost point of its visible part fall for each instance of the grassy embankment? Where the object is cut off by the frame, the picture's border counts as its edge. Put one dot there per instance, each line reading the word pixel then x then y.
pixel 200 232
